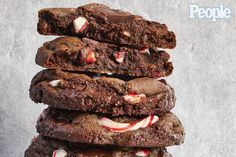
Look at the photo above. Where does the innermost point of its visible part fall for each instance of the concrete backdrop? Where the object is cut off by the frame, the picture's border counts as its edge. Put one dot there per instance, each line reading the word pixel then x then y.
pixel 204 75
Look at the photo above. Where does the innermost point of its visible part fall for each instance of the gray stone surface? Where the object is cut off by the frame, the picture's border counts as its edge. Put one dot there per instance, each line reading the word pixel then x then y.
pixel 204 76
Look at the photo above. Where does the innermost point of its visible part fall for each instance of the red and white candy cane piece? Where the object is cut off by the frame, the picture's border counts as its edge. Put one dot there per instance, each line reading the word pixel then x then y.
pixel 142 153
pixel 80 24
pixel 88 55
pixel 59 153
pixel 91 58
pixel 123 127
pixel 119 56
pixel 110 123
pixel 134 97
pixel 145 49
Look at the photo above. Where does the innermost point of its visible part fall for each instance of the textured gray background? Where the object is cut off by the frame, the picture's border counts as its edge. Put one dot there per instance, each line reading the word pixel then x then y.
pixel 204 76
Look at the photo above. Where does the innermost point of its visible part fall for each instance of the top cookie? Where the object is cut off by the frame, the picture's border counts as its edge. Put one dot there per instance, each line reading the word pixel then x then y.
pixel 99 22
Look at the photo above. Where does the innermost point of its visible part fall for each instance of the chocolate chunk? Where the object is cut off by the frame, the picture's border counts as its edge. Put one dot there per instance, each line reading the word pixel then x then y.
pixel 104 94
pixel 85 128
pixel 99 22
pixel 147 85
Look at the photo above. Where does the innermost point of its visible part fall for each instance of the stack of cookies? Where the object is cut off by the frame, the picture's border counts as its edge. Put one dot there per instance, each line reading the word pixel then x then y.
pixel 103 85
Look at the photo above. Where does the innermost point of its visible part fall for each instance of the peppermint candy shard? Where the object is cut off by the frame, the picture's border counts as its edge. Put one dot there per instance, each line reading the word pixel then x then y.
pixel 91 58
pixel 88 56
pixel 119 56
pixel 134 98
pixel 142 153
pixel 123 127
pixel 59 153
pixel 54 83
pixel 144 50
pixel 80 24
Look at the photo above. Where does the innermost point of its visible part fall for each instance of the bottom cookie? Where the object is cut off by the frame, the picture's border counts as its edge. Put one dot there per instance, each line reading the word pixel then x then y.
pixel 48 147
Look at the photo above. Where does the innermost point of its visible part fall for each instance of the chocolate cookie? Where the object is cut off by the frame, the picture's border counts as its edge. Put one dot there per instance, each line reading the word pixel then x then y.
pixel 149 131
pixel 70 53
pixel 104 94
pixel 48 147
pixel 99 22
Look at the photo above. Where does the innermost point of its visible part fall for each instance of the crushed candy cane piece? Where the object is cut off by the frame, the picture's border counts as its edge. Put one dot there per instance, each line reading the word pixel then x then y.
pixel 59 153
pixel 88 55
pixel 145 50
pixel 119 56
pixel 142 153
pixel 80 24
pixel 123 127
pixel 54 83
pixel 134 97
